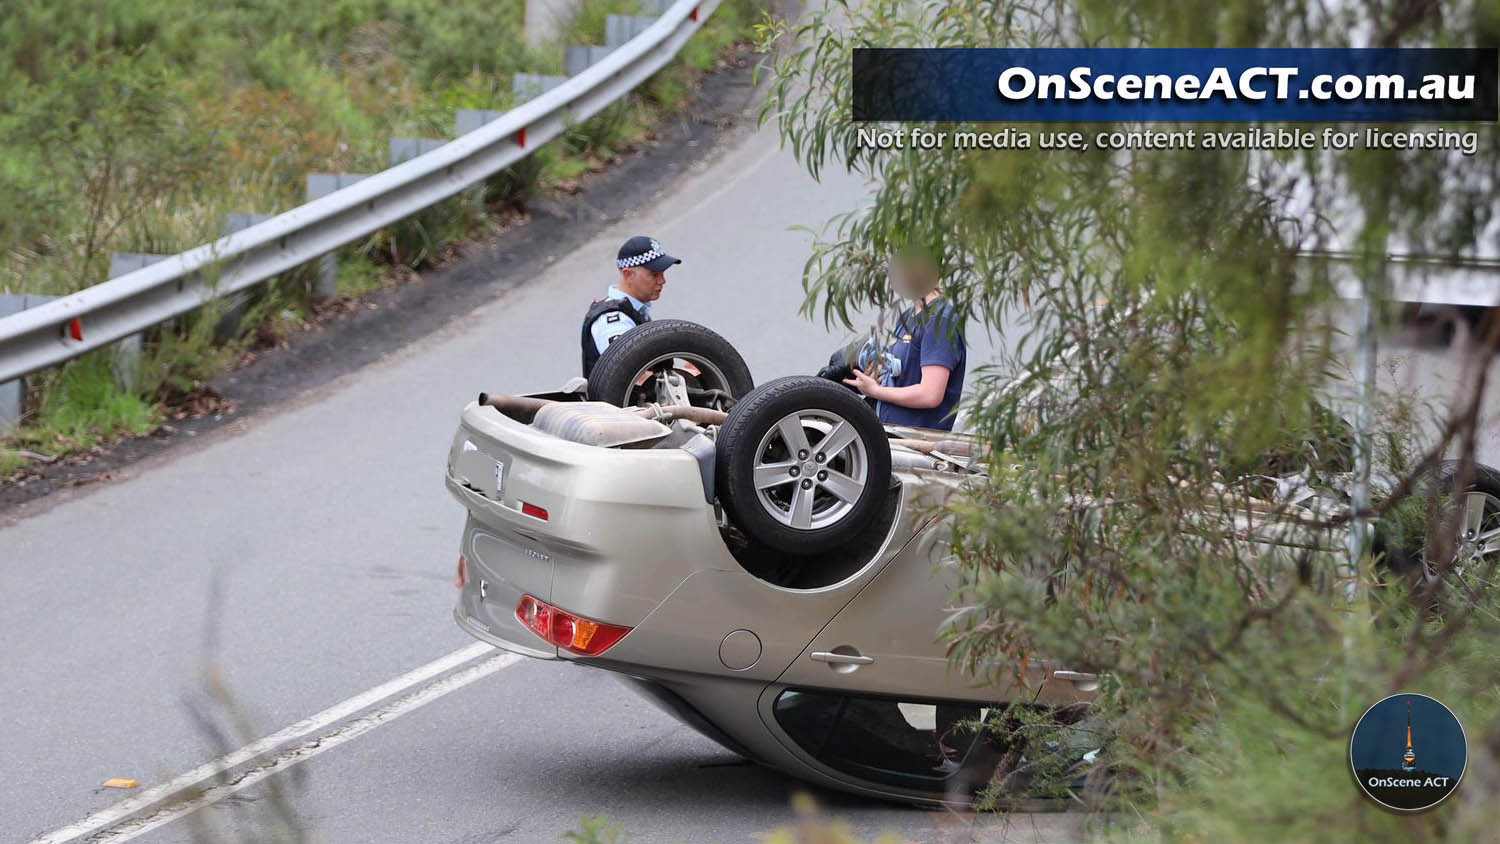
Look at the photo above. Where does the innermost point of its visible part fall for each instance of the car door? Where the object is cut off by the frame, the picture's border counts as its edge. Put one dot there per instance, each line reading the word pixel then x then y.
pixel 885 640
pixel 873 697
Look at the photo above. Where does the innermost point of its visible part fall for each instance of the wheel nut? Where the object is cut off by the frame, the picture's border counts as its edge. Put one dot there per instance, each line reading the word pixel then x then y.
pixel 795 471
pixel 802 454
pixel 822 476
pixel 819 457
pixel 807 483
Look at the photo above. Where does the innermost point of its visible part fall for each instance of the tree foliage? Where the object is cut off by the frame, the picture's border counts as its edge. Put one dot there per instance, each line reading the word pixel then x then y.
pixel 1175 357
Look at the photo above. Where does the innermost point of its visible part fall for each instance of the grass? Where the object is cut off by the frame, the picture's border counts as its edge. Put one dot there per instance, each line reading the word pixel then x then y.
pixel 88 410
pixel 233 124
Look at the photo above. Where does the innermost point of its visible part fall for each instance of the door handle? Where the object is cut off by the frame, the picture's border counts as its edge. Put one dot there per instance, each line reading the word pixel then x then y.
pixel 1082 681
pixel 836 658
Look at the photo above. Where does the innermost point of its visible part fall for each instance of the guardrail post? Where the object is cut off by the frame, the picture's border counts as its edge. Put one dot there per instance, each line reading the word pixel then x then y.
pixel 13 393
pixel 466 120
pixel 229 324
pixel 238 221
pixel 578 57
pixel 525 86
pixel 621 28
pixel 320 185
pixel 125 355
pixel 405 149
pixel 544 19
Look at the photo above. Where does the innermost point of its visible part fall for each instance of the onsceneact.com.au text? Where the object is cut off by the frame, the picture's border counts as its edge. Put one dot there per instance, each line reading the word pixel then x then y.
pixel 1253 83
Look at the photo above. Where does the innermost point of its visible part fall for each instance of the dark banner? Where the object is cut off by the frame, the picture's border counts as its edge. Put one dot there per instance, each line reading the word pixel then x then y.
pixel 1220 84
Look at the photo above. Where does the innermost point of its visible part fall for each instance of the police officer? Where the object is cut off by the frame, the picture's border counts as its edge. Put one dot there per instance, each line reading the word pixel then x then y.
pixel 921 373
pixel 643 265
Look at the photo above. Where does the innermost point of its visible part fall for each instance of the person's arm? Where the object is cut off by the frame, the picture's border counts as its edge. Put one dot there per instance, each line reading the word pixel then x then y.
pixel 609 326
pixel 942 348
pixel 923 395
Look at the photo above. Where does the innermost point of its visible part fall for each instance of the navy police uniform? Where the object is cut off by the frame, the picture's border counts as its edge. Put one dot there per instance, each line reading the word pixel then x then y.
pixel 618 311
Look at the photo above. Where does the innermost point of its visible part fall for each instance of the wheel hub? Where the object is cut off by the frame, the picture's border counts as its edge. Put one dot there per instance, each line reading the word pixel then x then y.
pixel 1478 534
pixel 810 469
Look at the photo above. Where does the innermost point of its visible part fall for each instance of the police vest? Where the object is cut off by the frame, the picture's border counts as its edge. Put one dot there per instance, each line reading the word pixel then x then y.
pixel 597 310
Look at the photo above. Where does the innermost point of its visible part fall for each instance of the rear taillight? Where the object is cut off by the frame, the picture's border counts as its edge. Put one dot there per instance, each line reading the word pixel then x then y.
pixel 567 631
pixel 535 615
pixel 533 511
pixel 461 575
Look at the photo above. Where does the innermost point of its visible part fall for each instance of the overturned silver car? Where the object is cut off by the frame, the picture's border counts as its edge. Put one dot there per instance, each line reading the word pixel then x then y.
pixel 768 563
pixel 773 575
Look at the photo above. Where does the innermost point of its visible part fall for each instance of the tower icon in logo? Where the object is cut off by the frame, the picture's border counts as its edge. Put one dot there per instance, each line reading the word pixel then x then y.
pixel 1409 758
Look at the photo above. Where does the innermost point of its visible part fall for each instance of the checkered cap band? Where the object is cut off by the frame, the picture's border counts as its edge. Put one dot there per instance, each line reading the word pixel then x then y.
pixel 643 258
pixel 637 260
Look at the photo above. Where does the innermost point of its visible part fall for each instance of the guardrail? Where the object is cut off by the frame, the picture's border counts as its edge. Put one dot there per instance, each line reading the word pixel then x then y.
pixel 96 316
pixel 1427 279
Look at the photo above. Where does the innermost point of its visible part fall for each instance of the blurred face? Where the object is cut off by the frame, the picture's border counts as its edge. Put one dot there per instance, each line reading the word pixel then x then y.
pixel 912 279
pixel 642 283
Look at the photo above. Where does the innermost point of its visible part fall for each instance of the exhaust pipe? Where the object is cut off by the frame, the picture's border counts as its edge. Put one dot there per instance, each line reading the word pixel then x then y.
pixel 520 408
pixel 667 413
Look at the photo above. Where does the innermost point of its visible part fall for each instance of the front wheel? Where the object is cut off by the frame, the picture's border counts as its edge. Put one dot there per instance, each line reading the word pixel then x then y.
pixel 670 362
pixel 802 465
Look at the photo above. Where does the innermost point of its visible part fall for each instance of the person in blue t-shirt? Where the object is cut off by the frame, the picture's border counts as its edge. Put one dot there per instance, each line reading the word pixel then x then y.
pixel 923 373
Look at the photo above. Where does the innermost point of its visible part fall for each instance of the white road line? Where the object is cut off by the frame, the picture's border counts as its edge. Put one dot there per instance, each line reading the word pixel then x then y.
pixel 119 812
pixel 345 732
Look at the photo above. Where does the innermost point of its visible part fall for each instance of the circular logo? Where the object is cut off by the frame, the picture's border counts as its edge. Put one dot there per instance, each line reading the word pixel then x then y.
pixel 1408 752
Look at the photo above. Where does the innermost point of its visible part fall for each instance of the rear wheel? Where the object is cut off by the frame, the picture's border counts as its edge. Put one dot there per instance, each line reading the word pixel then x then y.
pixel 1450 534
pixel 671 362
pixel 802 465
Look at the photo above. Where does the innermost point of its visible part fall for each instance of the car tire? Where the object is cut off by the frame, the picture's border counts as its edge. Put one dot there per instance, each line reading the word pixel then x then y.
pixel 776 484
pixel 1407 554
pixel 719 367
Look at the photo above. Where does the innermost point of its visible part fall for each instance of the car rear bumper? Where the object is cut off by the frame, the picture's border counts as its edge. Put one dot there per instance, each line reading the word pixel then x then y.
pixel 498 572
pixel 479 630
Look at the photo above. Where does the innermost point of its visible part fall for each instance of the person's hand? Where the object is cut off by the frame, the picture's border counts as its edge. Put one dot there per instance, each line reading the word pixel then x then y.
pixel 862 382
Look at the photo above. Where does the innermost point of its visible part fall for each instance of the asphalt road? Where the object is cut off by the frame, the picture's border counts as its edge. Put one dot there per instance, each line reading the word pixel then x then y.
pixel 304 556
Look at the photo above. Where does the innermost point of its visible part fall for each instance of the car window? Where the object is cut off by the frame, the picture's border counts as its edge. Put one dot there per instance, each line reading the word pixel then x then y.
pixel 923 716
pixel 911 744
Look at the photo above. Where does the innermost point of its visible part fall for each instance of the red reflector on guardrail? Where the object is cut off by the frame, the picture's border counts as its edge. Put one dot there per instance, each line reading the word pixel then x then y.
pixel 693 15
pixel 521 137
pixel 75 328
